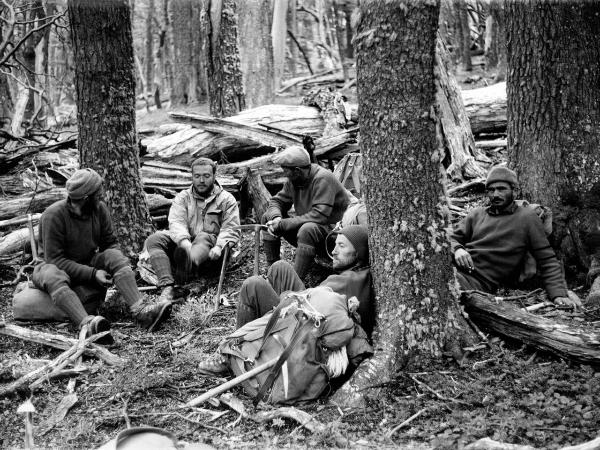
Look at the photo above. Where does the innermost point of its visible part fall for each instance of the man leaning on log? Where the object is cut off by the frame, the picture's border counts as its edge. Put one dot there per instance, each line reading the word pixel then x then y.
pixel 80 254
pixel 490 244
pixel 202 221
pixel 319 200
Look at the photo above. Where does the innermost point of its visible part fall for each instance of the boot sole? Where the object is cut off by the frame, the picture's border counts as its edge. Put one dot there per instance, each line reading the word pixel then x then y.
pixel 100 326
pixel 163 315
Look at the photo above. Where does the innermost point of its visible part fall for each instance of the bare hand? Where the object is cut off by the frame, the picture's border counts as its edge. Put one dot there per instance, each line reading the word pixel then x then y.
pixel 463 259
pixel 215 252
pixel 571 301
pixel 103 278
pixel 272 225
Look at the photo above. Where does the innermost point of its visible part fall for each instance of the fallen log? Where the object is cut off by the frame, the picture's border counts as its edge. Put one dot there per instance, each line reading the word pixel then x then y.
pixel 28 203
pixel 568 341
pixel 19 220
pixel 486 108
pixel 16 240
pixel 271 173
pixel 59 342
pixel 228 127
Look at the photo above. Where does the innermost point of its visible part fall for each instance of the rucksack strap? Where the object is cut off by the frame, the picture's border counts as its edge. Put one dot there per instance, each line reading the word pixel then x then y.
pixel 268 328
pixel 298 336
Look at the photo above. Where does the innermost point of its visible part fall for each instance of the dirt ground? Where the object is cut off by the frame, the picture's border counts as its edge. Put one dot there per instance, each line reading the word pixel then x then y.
pixel 505 391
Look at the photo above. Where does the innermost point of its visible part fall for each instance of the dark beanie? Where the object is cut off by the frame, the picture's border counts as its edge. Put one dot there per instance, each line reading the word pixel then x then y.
pixel 358 236
pixel 501 173
pixel 83 182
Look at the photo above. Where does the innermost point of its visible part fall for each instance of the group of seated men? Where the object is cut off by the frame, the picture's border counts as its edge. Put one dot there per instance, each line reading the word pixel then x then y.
pixel 79 247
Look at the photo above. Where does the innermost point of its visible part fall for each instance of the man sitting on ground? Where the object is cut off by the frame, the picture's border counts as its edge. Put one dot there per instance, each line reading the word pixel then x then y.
pixel 319 200
pixel 79 247
pixel 201 223
pixel 490 244
pixel 259 296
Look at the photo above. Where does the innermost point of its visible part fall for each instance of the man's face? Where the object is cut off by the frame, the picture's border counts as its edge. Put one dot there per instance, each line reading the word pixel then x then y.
pixel 92 202
pixel 344 253
pixel 294 174
pixel 500 193
pixel 203 179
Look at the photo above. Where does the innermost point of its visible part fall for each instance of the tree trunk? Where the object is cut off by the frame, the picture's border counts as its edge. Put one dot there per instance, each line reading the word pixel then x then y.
pixel 256 51
pixel 225 87
pixel 278 35
pixel 417 307
pixel 149 63
pixel 465 33
pixel 554 112
pixel 6 102
pixel 186 44
pixel 105 87
pixel 495 46
pixel 292 25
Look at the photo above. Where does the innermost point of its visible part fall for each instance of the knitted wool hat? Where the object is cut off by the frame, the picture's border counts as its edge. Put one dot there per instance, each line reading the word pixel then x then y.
pixel 83 182
pixel 501 173
pixel 358 236
pixel 293 156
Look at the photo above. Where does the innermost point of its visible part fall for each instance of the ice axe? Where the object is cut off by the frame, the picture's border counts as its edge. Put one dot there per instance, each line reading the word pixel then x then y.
pixel 256 227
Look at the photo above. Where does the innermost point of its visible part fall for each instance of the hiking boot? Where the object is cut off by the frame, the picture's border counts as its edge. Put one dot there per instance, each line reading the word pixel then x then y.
pixel 151 315
pixel 216 366
pixel 95 325
pixel 167 294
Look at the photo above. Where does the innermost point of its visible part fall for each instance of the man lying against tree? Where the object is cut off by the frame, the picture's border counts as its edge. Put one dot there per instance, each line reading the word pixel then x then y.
pixel 319 200
pixel 490 244
pixel 201 223
pixel 79 247
pixel 259 296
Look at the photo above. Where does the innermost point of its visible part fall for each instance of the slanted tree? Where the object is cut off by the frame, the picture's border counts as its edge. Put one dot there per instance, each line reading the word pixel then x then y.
pixel 225 87
pixel 553 97
pixel 105 86
pixel 416 293
pixel 256 51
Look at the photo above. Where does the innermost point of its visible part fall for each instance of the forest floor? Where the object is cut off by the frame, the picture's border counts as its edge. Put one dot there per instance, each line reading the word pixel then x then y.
pixel 505 391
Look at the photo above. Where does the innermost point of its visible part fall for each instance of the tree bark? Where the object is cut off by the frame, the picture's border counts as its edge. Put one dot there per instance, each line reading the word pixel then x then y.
pixel 495 40
pixel 417 307
pixel 554 113
pixel 465 33
pixel 186 44
pixel 149 62
pixel 105 84
pixel 225 87
pixel 256 51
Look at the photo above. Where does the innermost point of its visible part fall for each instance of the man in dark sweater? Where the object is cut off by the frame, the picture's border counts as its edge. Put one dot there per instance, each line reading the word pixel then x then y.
pixel 490 244
pixel 319 200
pixel 79 247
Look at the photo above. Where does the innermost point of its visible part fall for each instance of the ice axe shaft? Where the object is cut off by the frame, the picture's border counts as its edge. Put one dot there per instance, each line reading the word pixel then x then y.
pixel 256 227
pixel 34 252
pixel 222 275
pixel 231 383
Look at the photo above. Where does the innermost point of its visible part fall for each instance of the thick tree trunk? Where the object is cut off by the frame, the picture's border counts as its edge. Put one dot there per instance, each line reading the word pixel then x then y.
pixel 256 51
pixel 225 87
pixel 417 308
pixel 465 33
pixel 105 85
pixel 149 62
pixel 554 112
pixel 6 102
pixel 495 40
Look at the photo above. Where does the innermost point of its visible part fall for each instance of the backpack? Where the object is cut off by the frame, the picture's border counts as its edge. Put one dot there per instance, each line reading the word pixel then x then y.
pixel 300 340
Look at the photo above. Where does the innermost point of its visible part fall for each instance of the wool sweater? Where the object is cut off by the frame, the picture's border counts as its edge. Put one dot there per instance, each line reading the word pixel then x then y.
pixel 321 199
pixel 216 214
pixel 357 283
pixel 69 241
pixel 499 241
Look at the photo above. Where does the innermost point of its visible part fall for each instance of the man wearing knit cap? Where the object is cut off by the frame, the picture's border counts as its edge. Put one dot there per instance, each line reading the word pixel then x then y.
pixel 81 256
pixel 201 223
pixel 490 244
pixel 259 296
pixel 319 200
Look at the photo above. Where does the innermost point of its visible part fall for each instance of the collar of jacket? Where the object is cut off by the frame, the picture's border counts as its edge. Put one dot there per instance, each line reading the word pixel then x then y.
pixel 74 213
pixel 216 190
pixel 510 209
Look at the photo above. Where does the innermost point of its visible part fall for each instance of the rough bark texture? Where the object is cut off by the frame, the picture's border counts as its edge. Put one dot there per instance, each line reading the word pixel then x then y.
pixel 149 62
pixel 256 51
pixel 464 33
pixel 186 44
pixel 554 111
pixel 413 279
pixel 105 86
pixel 495 40
pixel 225 87
pixel 278 35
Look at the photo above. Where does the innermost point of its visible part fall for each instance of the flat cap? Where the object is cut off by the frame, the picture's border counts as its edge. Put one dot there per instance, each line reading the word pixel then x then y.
pixel 293 156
